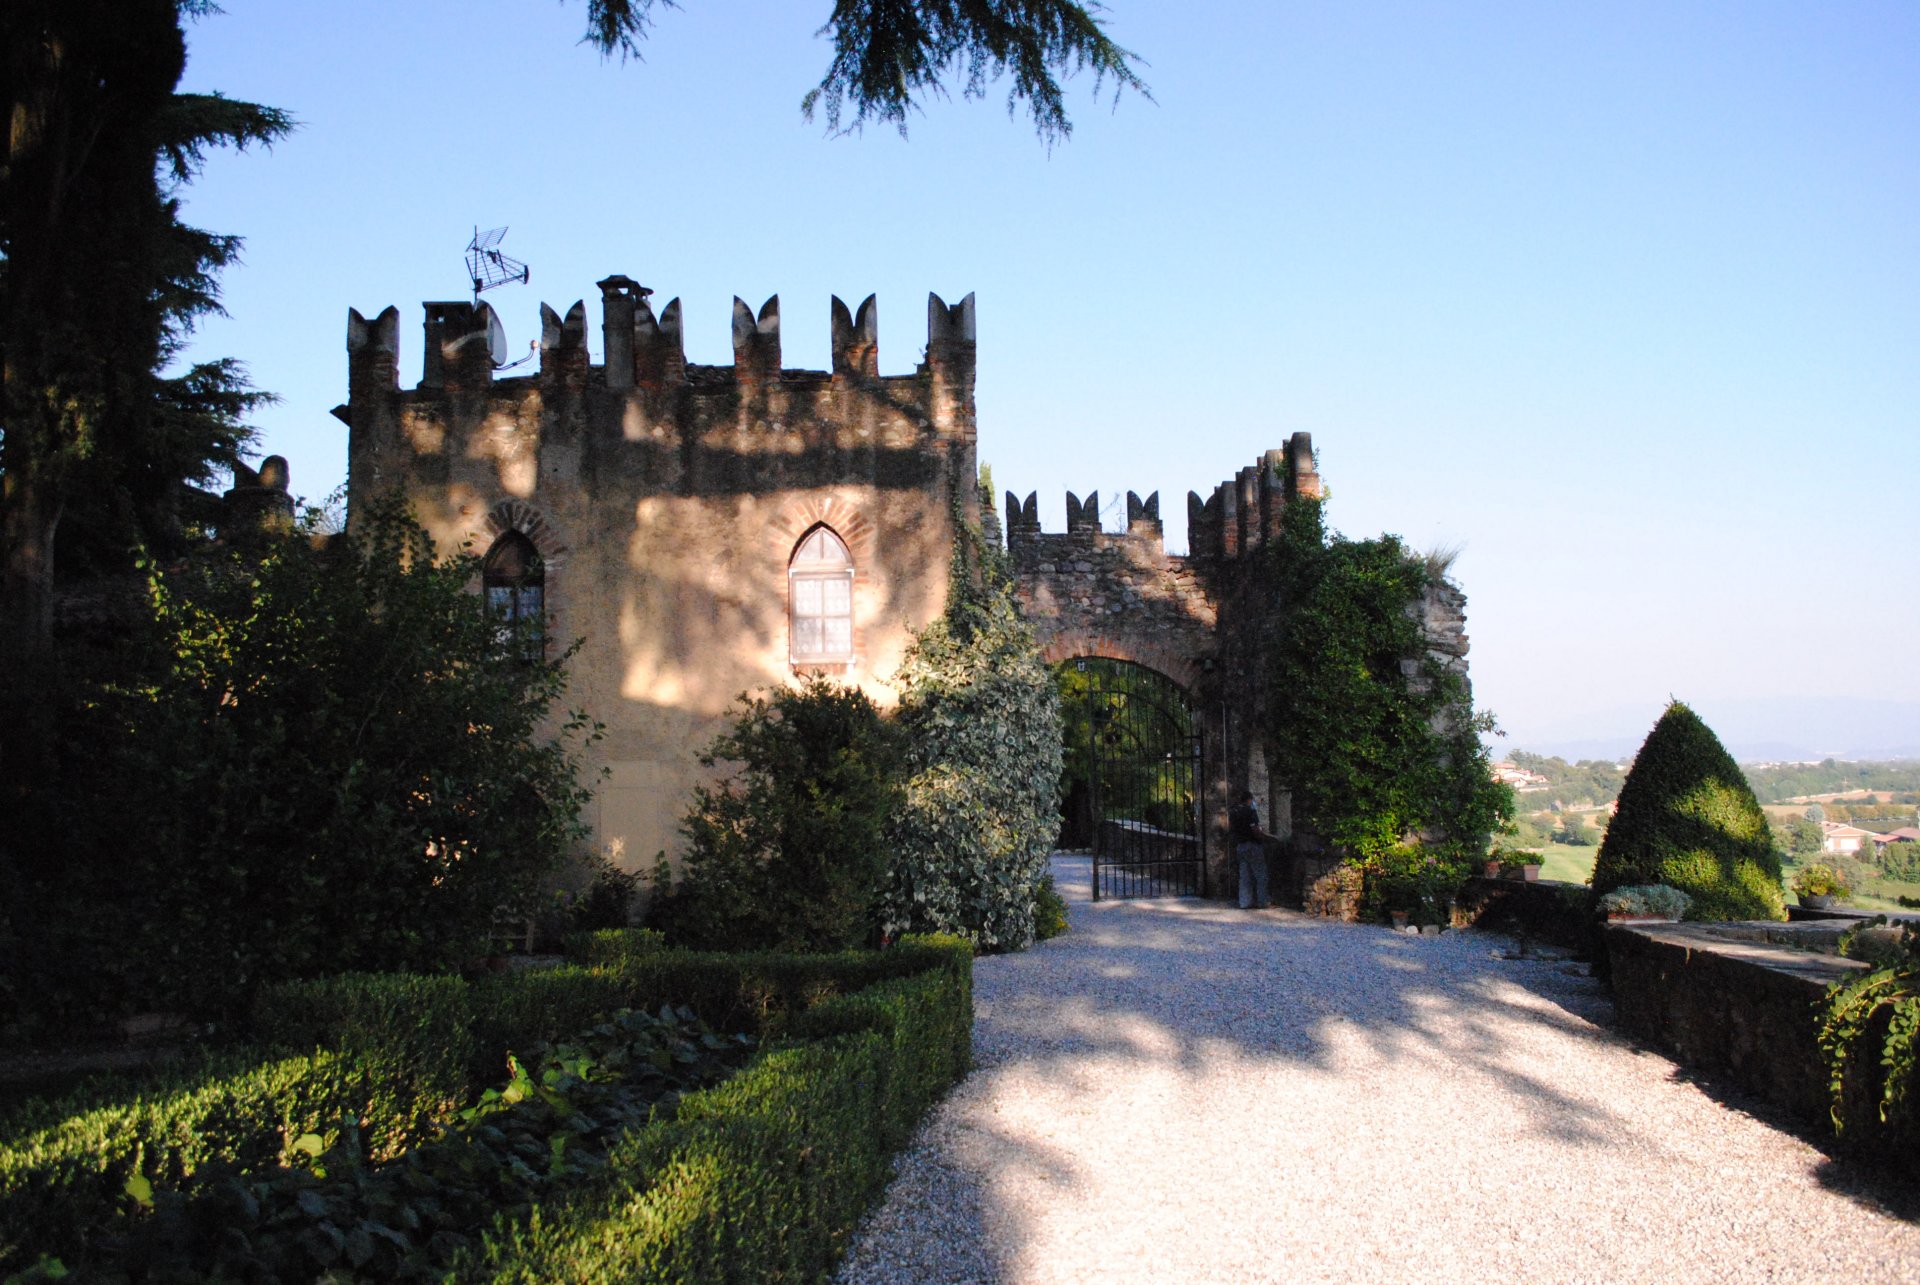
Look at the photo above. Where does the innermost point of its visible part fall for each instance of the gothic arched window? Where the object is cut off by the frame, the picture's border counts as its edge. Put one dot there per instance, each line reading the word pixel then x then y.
pixel 516 586
pixel 820 578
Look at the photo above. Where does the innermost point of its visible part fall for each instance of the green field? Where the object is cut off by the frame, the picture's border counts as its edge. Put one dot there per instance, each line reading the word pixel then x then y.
pixel 1564 861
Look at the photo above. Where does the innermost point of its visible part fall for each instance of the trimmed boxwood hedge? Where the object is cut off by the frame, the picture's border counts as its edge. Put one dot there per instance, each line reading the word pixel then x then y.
pixel 62 1182
pixel 761 1177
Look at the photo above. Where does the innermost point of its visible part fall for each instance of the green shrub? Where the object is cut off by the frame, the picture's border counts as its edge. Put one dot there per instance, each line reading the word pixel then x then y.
pixel 1653 899
pixel 513 1012
pixel 1688 819
pixel 418 1029
pixel 1049 911
pixel 544 1130
pixel 333 765
pixel 1422 880
pixel 763 1177
pixel 980 722
pixel 875 1037
pixel 788 852
pixel 613 945
pixel 60 1183
pixel 1901 861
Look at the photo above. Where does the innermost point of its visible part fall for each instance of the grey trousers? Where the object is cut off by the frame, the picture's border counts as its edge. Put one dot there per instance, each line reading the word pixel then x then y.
pixel 1253 874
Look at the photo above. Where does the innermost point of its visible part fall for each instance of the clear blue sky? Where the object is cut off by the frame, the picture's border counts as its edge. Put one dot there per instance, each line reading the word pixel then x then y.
pixel 1623 299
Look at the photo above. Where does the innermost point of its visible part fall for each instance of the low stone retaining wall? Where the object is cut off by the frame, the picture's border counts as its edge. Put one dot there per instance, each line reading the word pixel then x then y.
pixel 1544 910
pixel 1742 1009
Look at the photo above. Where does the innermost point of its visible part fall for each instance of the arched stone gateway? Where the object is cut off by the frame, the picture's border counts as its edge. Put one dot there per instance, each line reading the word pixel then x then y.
pixel 1120 596
pixel 1134 779
pixel 1196 620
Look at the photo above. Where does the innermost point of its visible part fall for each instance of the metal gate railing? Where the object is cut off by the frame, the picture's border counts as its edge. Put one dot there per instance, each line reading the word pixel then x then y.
pixel 1146 772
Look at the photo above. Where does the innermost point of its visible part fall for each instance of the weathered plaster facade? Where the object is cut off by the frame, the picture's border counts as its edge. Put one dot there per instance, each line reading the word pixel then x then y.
pixel 666 501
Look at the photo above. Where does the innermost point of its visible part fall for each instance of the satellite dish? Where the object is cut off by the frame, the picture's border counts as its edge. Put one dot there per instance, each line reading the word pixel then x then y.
pixel 496 340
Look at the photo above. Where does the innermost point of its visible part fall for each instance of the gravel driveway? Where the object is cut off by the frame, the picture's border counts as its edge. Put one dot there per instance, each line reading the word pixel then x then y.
pixel 1179 1091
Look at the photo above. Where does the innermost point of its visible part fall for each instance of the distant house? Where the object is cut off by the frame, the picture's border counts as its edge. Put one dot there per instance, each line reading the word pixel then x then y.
pixel 1843 839
pixel 1519 778
pixel 1905 834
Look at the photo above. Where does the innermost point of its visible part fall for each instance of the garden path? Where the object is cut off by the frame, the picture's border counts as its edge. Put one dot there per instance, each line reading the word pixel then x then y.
pixel 1180 1091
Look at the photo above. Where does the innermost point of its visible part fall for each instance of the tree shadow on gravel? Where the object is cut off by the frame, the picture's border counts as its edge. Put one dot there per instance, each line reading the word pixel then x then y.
pixel 1171 988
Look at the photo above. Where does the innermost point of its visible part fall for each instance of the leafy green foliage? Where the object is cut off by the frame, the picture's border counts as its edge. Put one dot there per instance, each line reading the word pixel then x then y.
pixel 1870 1038
pixel 980 726
pixel 417 1031
pixel 787 852
pixel 1820 880
pixel 764 1176
pixel 1801 837
pixel 1371 756
pixel 1049 912
pixel 1688 819
pixel 1575 832
pixel 1589 782
pixel 1777 783
pixel 549 1126
pixel 65 1169
pixel 1422 880
pixel 1647 899
pixel 1901 861
pixel 329 764
pixel 614 945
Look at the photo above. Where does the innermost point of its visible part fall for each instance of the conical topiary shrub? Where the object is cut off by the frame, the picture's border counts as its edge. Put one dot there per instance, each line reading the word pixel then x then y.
pixel 1688 819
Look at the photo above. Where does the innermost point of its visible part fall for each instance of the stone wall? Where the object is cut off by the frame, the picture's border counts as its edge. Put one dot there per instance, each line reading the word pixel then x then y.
pixel 666 500
pixel 1740 1009
pixel 1090 592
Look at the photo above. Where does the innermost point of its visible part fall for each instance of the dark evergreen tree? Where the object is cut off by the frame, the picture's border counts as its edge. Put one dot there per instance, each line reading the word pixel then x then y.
pixel 1688 819
pixel 889 54
pixel 100 278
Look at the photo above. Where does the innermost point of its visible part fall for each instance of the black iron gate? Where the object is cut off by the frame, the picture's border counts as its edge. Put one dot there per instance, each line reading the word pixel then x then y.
pixel 1142 775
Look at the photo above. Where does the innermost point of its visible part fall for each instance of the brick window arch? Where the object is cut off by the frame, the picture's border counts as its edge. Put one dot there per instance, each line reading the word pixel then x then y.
pixel 514 578
pixel 820 599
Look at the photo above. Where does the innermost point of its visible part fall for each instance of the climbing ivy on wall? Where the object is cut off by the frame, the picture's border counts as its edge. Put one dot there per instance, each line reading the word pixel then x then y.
pixel 1372 752
pixel 980 718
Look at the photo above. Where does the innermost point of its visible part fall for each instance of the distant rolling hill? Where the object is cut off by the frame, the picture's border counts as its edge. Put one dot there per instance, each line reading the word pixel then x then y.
pixel 1759 729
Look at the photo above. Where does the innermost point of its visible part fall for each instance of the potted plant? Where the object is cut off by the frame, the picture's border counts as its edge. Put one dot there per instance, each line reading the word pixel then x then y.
pixel 1654 902
pixel 1520 865
pixel 1820 886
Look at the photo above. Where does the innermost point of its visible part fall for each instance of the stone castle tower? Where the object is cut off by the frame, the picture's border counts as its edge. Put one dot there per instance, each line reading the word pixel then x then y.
pixel 705 530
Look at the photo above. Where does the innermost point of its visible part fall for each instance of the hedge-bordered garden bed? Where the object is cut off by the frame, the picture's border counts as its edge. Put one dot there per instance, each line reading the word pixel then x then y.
pixel 759 1177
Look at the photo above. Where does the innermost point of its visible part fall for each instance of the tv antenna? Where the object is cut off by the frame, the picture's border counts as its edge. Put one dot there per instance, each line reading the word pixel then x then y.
pixel 487 266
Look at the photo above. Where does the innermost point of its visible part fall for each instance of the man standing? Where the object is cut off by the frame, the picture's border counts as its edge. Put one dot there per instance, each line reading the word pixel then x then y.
pixel 1249 845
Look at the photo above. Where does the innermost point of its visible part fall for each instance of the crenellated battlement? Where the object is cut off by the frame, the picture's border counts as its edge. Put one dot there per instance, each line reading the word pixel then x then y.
pixel 1240 515
pixel 643 419
pixel 646 351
